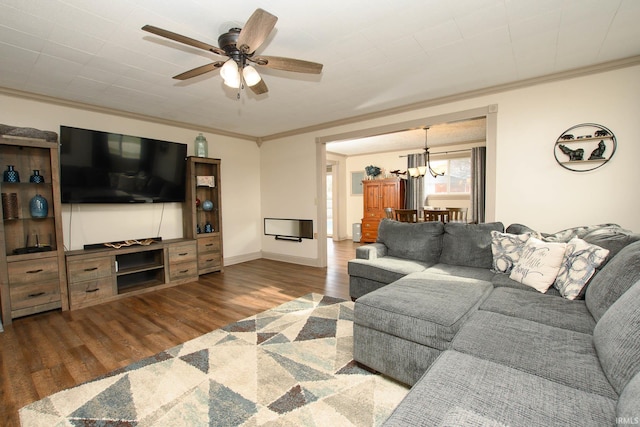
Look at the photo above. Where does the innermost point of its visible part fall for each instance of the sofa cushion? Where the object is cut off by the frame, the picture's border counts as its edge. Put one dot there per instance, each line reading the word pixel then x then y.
pixel 503 281
pixel 422 307
pixel 613 280
pixel 506 249
pixel 539 264
pixel 460 389
pixel 557 354
pixel 462 271
pixel 541 308
pixel 468 244
pixel 629 402
pixel 385 270
pixel 417 241
pixel 578 266
pixel 617 339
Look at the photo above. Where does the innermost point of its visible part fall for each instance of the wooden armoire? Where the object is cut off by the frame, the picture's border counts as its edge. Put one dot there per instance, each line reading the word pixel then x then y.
pixel 377 195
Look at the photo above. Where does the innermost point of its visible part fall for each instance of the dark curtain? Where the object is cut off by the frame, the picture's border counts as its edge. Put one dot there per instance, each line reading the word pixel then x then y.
pixel 478 178
pixel 415 186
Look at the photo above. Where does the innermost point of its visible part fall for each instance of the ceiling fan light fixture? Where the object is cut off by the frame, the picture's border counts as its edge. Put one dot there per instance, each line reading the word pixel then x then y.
pixel 229 73
pixel 251 76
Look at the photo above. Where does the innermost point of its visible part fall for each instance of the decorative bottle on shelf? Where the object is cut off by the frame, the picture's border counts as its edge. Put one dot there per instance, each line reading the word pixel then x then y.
pixel 36 178
pixel 11 175
pixel 202 148
pixel 38 206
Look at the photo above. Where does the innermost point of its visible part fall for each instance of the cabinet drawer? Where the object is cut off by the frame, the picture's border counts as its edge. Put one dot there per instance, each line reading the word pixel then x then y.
pixel 88 269
pixel 39 271
pixel 91 290
pixel 370 225
pixel 372 214
pixel 209 244
pixel 183 253
pixel 209 260
pixel 26 295
pixel 184 270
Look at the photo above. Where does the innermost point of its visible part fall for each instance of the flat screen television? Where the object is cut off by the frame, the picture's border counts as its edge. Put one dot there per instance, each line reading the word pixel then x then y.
pixel 104 167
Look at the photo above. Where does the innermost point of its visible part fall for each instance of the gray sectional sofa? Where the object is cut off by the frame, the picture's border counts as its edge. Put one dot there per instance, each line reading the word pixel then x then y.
pixel 452 310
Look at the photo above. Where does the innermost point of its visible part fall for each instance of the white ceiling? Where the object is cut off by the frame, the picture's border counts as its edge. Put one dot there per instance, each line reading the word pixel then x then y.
pixel 377 55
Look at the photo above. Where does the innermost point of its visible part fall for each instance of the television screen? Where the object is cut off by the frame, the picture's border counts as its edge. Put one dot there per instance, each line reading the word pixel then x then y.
pixel 103 167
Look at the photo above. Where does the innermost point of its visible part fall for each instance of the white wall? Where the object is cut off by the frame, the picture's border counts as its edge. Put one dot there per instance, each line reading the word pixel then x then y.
pixel 289 191
pixel 90 223
pixel 531 187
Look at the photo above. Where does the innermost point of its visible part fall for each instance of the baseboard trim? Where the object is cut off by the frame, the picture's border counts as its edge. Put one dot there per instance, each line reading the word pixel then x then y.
pixel 311 262
pixel 241 258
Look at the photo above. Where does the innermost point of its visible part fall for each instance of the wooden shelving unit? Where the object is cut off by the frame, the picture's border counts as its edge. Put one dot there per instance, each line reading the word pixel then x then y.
pixel 32 267
pixel 203 209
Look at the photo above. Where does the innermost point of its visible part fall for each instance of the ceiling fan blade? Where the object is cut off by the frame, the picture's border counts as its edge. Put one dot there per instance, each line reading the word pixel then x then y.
pixel 183 39
pixel 259 88
pixel 256 31
pixel 199 70
pixel 288 64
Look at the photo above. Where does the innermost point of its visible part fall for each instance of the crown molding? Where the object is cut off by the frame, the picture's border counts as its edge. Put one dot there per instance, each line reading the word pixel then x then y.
pixel 120 113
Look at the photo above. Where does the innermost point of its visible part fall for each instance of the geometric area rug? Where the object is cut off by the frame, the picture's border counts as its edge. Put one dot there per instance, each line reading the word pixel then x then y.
pixel 288 366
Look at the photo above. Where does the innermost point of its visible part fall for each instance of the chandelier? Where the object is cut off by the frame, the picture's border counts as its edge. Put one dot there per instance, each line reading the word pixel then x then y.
pixel 422 170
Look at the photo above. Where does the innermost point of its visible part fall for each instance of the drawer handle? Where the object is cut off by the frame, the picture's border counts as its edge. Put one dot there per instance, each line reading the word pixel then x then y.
pixel 37 294
pixel 34 271
pixel 184 271
pixel 183 254
pixel 92 290
pixel 209 244
pixel 91 269
pixel 209 260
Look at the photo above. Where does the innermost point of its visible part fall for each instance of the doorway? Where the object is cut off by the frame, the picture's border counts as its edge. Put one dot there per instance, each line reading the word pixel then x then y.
pixel 489 112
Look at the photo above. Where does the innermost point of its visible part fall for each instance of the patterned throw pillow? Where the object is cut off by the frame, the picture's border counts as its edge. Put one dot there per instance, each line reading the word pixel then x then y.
pixel 539 264
pixel 580 262
pixel 506 249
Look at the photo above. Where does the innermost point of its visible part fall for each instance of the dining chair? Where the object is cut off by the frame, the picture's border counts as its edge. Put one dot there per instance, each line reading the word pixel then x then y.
pixel 407 215
pixel 441 215
pixel 457 214
pixel 388 213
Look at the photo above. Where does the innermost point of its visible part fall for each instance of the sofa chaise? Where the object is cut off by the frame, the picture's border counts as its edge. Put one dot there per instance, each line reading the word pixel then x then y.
pixel 502 327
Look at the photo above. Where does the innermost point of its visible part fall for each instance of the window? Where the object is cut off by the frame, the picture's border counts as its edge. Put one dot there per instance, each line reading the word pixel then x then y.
pixel 456 179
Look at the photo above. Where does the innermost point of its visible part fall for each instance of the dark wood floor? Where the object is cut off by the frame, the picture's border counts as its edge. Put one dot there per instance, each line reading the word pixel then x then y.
pixel 48 352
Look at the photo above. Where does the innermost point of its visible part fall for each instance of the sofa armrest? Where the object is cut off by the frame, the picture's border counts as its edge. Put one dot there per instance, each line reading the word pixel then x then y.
pixel 371 251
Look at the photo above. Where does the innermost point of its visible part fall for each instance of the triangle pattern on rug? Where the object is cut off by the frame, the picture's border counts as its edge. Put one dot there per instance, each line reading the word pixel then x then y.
pixel 317 328
pixel 199 359
pixel 299 371
pixel 114 403
pixel 228 408
pixel 295 398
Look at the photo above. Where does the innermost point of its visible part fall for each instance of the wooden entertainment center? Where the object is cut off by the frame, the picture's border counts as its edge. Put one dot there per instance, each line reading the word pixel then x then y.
pixel 38 275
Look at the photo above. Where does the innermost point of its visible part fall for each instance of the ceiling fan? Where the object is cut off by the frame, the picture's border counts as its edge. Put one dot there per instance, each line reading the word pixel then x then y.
pixel 240 46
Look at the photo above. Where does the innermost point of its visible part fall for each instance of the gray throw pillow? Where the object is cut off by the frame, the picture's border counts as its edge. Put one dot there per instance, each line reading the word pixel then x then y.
pixel 421 241
pixel 469 244
pixel 613 280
